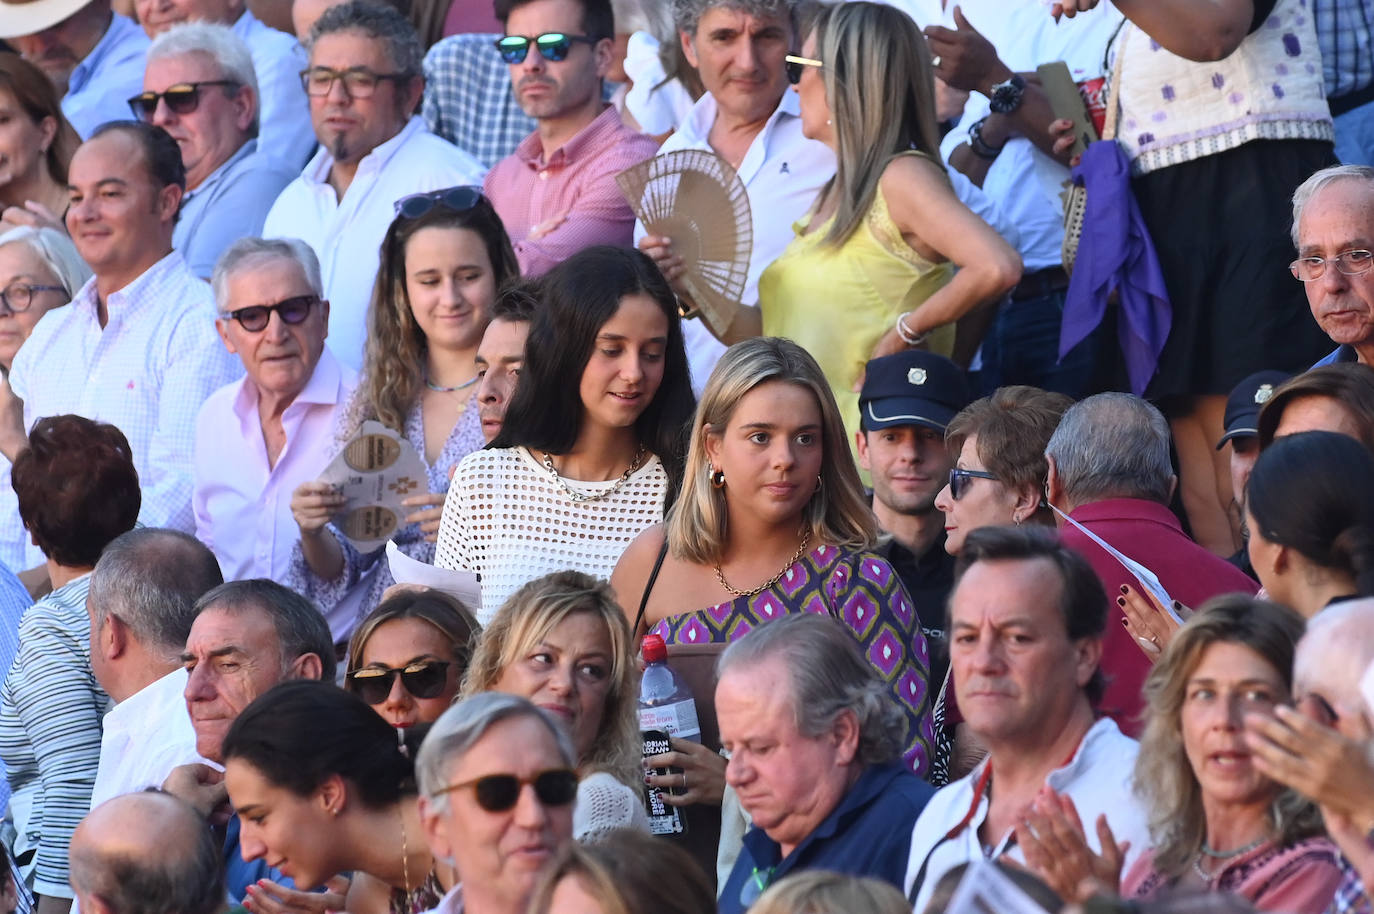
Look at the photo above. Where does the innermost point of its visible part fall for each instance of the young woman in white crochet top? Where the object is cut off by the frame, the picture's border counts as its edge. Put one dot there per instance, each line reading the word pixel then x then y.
pixel 593 442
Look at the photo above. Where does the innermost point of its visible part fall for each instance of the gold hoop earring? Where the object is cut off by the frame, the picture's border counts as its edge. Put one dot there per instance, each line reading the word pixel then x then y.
pixel 717 478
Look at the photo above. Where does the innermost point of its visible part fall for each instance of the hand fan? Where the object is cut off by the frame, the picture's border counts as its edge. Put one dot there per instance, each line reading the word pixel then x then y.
pixel 695 198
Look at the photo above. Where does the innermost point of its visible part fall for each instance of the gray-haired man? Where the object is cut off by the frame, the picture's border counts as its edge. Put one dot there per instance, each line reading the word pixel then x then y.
pixel 258 438
pixel 200 87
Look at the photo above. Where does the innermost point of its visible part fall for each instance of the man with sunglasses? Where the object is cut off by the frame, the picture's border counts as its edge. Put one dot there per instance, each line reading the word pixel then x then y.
pixel 364 82
pixel 92 55
pixel 200 87
pixel 1333 229
pixel 260 437
pixel 557 193
pixel 136 347
pixel 497 789
pixel 907 401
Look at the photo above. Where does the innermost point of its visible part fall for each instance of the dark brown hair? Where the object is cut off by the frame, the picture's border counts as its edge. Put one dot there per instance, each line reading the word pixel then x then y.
pixel 35 94
pixel 1349 383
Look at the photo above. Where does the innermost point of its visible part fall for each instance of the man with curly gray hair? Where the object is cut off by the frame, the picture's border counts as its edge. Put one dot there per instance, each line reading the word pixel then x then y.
pixel 815 740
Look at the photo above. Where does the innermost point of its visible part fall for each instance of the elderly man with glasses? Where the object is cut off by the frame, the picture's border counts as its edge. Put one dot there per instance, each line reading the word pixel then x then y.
pixel 258 438
pixel 497 788
pixel 200 87
pixel 364 83
pixel 1333 230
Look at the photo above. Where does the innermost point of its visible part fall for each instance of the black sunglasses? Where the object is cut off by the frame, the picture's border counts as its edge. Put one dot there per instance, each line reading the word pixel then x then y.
pixel 422 679
pixel 958 481
pixel 794 65
pixel 500 792
pixel 459 199
pixel 183 98
pixel 293 311
pixel 553 46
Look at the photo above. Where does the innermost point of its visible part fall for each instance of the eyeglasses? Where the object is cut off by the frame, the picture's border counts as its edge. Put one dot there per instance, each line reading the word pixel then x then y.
pixel 358 82
pixel 17 296
pixel 500 792
pixel 958 481
pixel 1351 263
pixel 794 66
pixel 459 199
pixel 422 679
pixel 553 46
pixel 183 98
pixel 293 311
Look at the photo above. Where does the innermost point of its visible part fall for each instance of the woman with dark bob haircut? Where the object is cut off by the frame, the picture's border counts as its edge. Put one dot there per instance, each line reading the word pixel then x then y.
pixel 77 490
pixel 1309 507
pixel 443 261
pixel 322 786
pixel 593 442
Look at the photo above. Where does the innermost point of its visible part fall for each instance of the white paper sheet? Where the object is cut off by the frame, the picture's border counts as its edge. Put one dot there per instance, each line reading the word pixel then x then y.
pixel 462 585
pixel 1146 578
pixel 986 890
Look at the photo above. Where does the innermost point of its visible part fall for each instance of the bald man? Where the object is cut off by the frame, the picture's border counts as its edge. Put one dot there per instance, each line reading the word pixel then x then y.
pixel 148 852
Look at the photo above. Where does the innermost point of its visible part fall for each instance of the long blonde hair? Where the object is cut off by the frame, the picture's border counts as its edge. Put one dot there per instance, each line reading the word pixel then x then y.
pixel 526 618
pixel 875 63
pixel 1164 778
pixel 822 892
pixel 837 513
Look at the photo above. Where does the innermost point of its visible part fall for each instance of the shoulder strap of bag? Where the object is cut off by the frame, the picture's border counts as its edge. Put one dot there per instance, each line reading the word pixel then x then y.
pixel 1113 99
pixel 649 584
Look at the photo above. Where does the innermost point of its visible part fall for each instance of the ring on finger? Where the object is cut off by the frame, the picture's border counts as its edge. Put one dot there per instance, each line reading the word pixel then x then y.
pixel 684 780
pixel 935 61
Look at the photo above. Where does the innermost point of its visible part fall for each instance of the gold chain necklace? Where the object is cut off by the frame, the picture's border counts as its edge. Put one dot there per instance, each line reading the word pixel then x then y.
pixel 796 557
pixel 579 496
pixel 405 853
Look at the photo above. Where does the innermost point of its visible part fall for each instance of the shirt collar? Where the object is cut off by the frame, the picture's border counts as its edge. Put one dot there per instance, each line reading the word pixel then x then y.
pixel 321 389
pixel 589 139
pixel 218 174
pixel 317 172
pixel 114 36
pixel 1135 509
pixel 122 302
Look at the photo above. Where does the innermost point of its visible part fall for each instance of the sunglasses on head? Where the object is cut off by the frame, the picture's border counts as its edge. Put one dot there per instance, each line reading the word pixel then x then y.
pixel 422 679
pixel 959 479
pixel 293 311
pixel 794 65
pixel 500 792
pixel 459 199
pixel 553 46
pixel 183 98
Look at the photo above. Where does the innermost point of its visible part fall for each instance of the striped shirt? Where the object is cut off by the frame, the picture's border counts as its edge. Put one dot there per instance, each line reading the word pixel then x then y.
pixel 50 713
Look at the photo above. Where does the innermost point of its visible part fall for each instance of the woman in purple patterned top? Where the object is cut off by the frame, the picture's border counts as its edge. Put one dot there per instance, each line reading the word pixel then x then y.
pixel 772 521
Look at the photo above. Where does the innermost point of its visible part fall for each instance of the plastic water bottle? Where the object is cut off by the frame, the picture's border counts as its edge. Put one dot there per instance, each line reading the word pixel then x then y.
pixel 666 708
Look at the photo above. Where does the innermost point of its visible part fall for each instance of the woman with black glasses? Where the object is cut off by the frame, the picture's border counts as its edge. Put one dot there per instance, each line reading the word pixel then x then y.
pixel 999 472
pixel 321 786
pixel 407 658
pixel 442 261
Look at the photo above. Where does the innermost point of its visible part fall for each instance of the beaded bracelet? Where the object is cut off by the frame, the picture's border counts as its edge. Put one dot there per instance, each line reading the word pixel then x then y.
pixel 911 339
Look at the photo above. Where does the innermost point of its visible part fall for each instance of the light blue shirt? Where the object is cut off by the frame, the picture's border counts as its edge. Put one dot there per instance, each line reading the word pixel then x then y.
pixel 284 130
pixel 102 84
pixel 230 204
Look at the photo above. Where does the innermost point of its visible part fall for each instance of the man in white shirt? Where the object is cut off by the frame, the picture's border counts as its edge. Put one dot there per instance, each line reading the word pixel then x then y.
pixel 364 82
pixel 260 437
pixel 136 347
pixel 92 55
pixel 277 60
pixel 1026 620
pixel 141 605
pixel 200 87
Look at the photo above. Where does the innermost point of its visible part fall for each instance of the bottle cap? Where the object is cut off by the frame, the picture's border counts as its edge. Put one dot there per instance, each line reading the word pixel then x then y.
pixel 653 649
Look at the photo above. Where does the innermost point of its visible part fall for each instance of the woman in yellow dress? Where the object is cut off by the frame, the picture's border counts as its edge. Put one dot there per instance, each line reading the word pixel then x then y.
pixel 872 269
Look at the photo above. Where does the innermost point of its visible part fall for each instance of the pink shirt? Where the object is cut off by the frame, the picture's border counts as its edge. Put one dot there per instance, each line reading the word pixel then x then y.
pixel 242 506
pixel 1300 879
pixel 576 182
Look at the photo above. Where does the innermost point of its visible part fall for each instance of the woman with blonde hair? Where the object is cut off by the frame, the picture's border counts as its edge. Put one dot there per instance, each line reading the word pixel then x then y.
pixel 443 260
pixel 887 233
pixel 562 642
pixel 623 874
pixel 822 892
pixel 772 521
pixel 1216 823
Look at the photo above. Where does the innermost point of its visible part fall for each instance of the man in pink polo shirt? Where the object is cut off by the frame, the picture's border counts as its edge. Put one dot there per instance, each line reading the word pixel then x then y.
pixel 557 193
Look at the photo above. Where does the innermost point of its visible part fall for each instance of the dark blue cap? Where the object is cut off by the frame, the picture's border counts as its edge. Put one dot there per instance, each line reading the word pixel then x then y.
pixel 912 388
pixel 1244 404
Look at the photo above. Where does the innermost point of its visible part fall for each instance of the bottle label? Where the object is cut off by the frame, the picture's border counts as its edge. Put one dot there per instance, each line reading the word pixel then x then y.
pixel 663 818
pixel 677 719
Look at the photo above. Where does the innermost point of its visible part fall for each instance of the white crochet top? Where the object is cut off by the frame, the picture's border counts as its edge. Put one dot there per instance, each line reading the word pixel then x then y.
pixel 507 520
pixel 605 804
pixel 1175 110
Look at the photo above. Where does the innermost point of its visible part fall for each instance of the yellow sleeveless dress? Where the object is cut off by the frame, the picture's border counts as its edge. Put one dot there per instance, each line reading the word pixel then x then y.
pixel 837 302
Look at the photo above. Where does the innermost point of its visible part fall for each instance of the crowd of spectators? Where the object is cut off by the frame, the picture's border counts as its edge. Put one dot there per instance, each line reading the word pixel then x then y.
pixel 1012 562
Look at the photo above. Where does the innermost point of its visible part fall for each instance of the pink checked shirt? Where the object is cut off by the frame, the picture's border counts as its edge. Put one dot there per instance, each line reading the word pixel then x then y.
pixel 577 181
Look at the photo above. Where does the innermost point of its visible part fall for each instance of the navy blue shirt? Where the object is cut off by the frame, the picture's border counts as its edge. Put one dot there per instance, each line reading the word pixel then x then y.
pixel 868 834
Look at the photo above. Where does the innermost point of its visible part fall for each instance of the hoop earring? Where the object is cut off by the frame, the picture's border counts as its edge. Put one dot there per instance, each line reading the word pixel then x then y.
pixel 717 478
